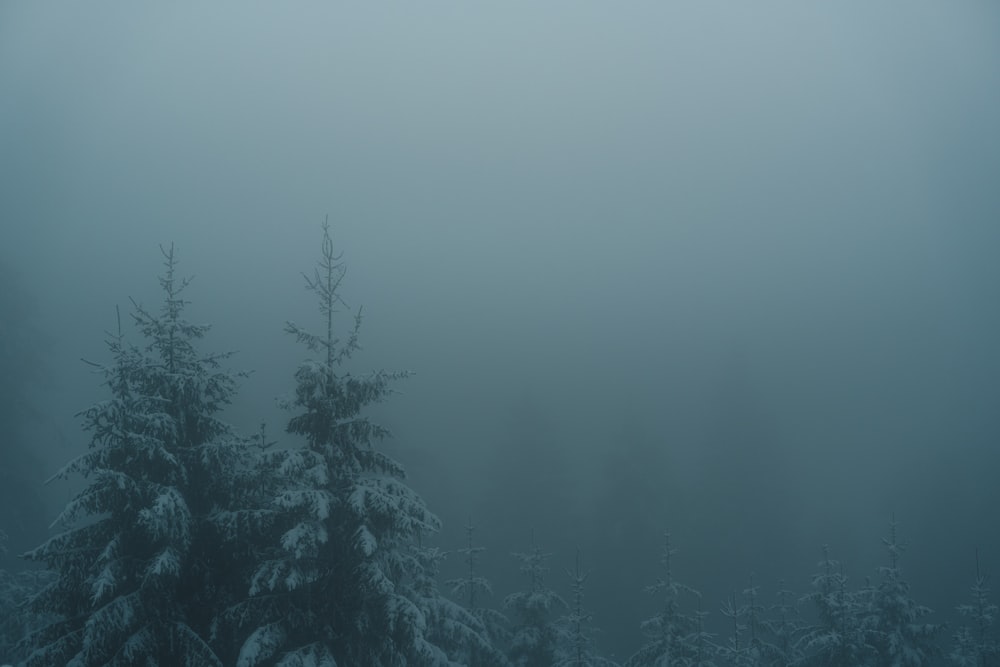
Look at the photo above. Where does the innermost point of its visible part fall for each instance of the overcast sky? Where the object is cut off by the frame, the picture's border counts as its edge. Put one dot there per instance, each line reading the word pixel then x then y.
pixel 724 268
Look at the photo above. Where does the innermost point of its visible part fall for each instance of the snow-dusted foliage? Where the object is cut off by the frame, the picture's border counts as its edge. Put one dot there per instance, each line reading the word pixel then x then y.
pixel 16 619
pixel 672 636
pixel 744 646
pixel 134 583
pixel 535 635
pixel 974 644
pixel 470 589
pixel 576 628
pixel 453 635
pixel 896 631
pixel 839 637
pixel 334 537
pixel 782 629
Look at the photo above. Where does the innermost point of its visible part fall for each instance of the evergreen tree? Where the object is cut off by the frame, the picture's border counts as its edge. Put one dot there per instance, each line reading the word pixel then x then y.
pixel 328 584
pixel 134 570
pixel 899 638
pixel 578 634
pixel 783 628
pixel 470 589
pixel 839 639
pixel 974 646
pixel 452 635
pixel 535 636
pixel 16 619
pixel 673 637
pixel 745 646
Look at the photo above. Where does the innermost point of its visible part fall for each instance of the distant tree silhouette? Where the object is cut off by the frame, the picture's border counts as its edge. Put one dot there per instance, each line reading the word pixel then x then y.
pixel 974 644
pixel 535 636
pixel 22 512
pixel 899 635
pixel 673 637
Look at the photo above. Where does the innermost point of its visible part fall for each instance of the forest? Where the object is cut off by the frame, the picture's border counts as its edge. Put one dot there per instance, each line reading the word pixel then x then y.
pixel 641 334
pixel 188 543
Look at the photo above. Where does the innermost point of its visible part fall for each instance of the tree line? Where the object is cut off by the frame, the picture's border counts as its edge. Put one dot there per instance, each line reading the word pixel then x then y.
pixel 192 544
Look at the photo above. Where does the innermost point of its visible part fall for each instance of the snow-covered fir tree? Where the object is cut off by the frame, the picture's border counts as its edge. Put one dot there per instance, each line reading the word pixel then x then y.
pixel 672 636
pixel 328 587
pixel 471 589
pixel 535 636
pixel 896 631
pixel 135 566
pixel 577 631
pixel 974 644
pixel 17 620
pixel 745 646
pixel 839 638
pixel 452 634
pixel 783 628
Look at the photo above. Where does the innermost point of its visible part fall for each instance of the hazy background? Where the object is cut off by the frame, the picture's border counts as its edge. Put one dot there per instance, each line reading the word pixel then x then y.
pixel 727 269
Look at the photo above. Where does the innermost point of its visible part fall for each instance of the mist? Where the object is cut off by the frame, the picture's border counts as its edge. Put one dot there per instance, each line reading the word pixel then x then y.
pixel 725 271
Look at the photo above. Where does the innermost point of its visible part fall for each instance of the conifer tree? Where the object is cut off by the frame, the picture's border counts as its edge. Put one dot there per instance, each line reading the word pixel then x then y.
pixel 328 585
pixel 745 646
pixel 974 646
pixel 452 635
pixel 839 637
pixel 673 637
pixel 577 632
pixel 17 620
pixel 899 638
pixel 471 589
pixel 783 628
pixel 134 571
pixel 535 636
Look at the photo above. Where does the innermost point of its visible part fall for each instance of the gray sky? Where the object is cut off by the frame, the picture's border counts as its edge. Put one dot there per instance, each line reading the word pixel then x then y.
pixel 751 246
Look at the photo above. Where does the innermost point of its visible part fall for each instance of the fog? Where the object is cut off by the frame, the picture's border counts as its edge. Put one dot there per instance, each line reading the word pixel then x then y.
pixel 727 271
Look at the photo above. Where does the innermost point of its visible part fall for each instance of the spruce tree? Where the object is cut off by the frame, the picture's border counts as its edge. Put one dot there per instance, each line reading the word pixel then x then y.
pixel 17 619
pixel 470 589
pixel 897 633
pixel 535 637
pixel 328 587
pixel 974 645
pixel 134 569
pixel 745 646
pixel 672 636
pixel 783 628
pixel 577 648
pixel 840 635
pixel 452 635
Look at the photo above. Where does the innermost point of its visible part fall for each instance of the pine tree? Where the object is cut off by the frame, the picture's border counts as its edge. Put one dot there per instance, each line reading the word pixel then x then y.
pixel 17 620
pixel 328 587
pixel 839 638
pixel 673 637
pixel 452 634
pixel 974 646
pixel 745 646
pixel 535 636
pixel 577 631
pixel 470 589
pixel 899 638
pixel 783 628
pixel 134 569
